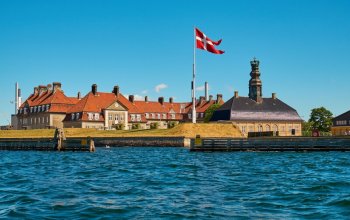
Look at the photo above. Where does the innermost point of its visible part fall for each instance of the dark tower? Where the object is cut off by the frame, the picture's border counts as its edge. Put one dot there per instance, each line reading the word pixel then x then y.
pixel 255 85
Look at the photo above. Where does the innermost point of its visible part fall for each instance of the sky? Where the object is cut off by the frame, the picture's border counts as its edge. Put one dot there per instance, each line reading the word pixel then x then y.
pixel 146 47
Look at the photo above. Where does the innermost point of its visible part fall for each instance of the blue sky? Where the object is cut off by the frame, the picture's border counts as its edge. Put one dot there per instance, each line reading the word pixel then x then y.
pixel 303 47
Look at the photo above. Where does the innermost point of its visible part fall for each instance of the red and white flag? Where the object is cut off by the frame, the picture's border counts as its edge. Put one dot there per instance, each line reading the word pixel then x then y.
pixel 203 42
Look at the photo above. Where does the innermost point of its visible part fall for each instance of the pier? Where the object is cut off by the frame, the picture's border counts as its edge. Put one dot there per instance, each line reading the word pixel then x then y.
pixel 297 144
pixel 58 143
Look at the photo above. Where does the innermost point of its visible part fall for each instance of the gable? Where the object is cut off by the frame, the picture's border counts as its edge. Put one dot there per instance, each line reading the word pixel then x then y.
pixel 117 106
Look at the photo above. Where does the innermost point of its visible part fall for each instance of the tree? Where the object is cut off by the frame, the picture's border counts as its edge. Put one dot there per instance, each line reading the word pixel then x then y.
pixel 321 119
pixel 307 128
pixel 210 111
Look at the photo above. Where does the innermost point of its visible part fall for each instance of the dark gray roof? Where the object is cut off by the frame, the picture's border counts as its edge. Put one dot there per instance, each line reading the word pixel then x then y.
pixel 343 117
pixel 246 109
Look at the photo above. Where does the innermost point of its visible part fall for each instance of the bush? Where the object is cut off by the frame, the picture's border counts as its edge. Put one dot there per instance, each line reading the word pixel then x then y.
pixel 154 125
pixel 135 126
pixel 171 124
pixel 119 126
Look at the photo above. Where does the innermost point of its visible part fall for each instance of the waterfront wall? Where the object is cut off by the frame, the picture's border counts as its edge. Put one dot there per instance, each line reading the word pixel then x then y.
pixel 142 141
pixel 272 144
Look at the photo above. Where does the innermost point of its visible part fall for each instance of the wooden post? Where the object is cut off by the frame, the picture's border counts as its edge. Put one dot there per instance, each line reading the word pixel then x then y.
pixel 59 137
pixel 92 145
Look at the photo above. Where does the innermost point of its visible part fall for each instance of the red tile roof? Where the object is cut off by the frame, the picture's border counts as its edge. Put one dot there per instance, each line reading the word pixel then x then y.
pixel 58 101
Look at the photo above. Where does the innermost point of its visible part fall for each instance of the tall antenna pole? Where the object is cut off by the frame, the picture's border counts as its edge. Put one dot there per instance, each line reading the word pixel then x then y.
pixel 193 80
pixel 16 97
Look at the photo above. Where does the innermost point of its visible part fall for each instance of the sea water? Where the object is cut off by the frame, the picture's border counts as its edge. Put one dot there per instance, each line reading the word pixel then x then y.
pixel 173 183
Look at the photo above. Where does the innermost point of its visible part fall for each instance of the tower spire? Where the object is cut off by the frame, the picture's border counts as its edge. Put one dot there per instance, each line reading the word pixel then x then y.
pixel 255 84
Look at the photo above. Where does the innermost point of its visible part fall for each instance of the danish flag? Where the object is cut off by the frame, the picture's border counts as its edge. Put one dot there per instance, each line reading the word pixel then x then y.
pixel 203 42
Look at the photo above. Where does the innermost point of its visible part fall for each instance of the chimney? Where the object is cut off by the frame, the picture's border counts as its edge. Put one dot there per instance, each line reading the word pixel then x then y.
pixel 201 99
pixel 146 98
pixel 218 98
pixel 49 87
pixel 161 100
pixel 131 98
pixel 94 89
pixel 56 86
pixel 210 98
pixel 206 87
pixel 274 96
pixel 79 96
pixel 116 90
pixel 236 94
pixel 171 100
pixel 42 89
pixel 36 90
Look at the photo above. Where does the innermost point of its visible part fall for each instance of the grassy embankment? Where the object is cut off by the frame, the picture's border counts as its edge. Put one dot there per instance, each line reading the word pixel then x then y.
pixel 183 129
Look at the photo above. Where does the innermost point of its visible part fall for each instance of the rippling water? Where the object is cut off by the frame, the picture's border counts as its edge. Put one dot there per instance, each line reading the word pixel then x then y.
pixel 173 183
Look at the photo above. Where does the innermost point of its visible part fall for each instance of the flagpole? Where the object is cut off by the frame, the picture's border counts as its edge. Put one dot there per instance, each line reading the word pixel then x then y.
pixel 194 115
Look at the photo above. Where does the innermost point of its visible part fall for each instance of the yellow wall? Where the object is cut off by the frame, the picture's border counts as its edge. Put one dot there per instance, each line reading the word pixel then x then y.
pixel 340 130
pixel 283 128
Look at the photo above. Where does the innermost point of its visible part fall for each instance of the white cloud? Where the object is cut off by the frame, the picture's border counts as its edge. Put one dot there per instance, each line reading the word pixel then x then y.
pixel 136 97
pixel 160 87
pixel 200 88
pixel 139 97
pixel 144 92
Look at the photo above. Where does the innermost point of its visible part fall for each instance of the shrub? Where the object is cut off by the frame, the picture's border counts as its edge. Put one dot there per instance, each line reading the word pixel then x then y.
pixel 171 124
pixel 119 126
pixel 154 125
pixel 135 126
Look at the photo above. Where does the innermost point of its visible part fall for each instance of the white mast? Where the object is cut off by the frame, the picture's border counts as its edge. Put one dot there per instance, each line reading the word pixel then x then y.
pixel 16 98
pixel 193 81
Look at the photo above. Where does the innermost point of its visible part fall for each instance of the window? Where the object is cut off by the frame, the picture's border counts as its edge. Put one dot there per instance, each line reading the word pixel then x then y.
pixel 35 108
pixel 116 117
pixel 260 128
pixel 138 118
pixel 110 117
pixel 244 129
pixel 121 117
pixel 172 116
pixel 39 108
pixel 72 116
pixel 31 109
pixel 189 116
pixel 90 116
pixel 43 108
pixel 47 107
pixel 97 116
pixel 147 115
pixel 158 116
pixel 164 116
pixel 132 116
pixel 343 122
pixel 77 116
pixel 153 115
pixel 267 127
pixel 202 115
pixel 275 128
pixel 251 128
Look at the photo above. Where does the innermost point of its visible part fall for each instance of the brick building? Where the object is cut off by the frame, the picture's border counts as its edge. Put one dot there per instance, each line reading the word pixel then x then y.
pixel 256 113
pixel 341 124
pixel 46 107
